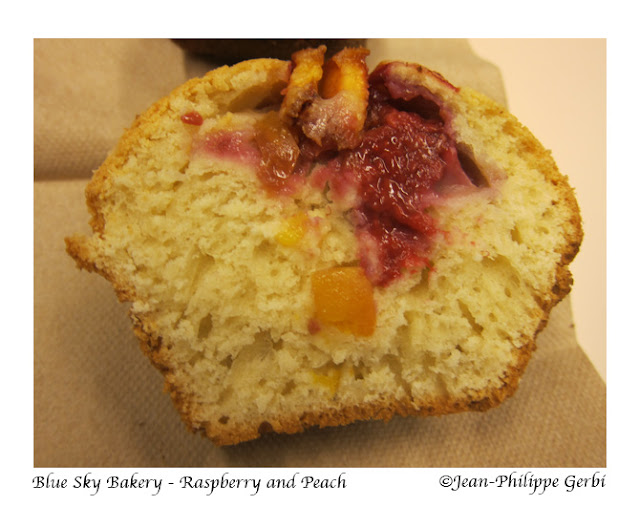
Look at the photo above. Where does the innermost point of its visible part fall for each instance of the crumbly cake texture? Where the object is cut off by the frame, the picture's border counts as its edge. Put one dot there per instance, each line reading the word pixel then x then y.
pixel 221 304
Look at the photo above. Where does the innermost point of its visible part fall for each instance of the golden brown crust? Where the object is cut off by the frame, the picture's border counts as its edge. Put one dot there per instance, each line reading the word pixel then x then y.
pixel 217 83
pixel 142 128
pixel 381 409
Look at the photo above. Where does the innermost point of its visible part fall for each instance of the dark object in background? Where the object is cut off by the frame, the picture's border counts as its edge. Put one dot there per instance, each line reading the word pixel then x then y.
pixel 230 51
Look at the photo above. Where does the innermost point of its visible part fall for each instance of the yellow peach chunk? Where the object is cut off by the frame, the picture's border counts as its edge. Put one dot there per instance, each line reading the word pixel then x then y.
pixel 279 151
pixel 329 379
pixel 347 70
pixel 293 230
pixel 303 82
pixel 336 117
pixel 343 298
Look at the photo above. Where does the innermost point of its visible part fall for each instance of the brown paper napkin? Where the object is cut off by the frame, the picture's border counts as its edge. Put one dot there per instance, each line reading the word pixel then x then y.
pixel 99 403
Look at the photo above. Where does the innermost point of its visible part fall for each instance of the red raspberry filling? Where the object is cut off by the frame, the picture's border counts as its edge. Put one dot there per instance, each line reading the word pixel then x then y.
pixel 395 168
pixel 406 159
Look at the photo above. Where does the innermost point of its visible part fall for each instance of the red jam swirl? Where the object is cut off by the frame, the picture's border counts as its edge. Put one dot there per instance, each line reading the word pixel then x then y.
pixel 192 118
pixel 395 169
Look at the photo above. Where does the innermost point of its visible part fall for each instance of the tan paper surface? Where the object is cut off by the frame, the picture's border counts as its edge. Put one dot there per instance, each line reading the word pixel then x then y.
pixel 97 400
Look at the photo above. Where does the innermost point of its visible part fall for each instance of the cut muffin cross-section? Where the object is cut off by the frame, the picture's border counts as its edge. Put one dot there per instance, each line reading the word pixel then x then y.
pixel 307 243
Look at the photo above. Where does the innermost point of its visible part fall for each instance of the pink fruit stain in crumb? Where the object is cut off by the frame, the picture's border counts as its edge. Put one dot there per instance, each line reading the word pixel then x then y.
pixel 236 145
